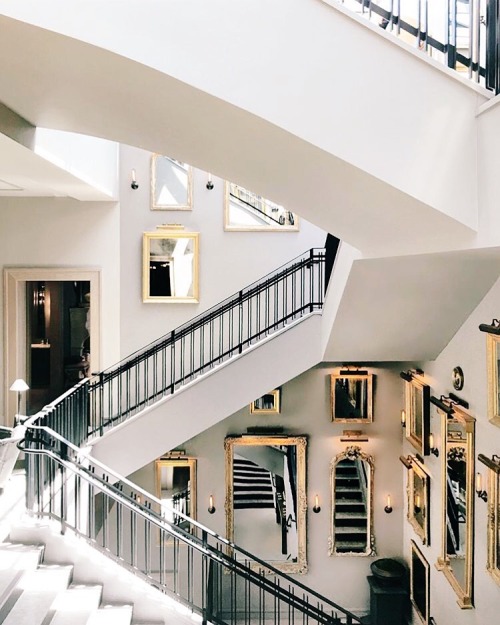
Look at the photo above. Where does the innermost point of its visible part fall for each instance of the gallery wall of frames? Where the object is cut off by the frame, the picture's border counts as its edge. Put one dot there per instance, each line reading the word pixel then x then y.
pixel 180 226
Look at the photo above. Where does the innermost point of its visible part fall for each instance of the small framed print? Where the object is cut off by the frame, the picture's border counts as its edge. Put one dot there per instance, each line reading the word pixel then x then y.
pixel 267 404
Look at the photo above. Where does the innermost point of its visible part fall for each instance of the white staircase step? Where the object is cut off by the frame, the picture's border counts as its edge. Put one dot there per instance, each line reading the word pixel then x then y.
pixel 15 559
pixel 76 605
pixel 35 592
pixel 112 615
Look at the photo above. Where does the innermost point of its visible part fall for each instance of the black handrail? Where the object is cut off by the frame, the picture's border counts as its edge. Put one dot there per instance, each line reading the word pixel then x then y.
pixel 226 330
pixel 128 525
pixel 259 210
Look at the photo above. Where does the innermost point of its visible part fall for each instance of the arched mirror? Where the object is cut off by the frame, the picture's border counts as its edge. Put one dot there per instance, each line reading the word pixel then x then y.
pixel 176 488
pixel 457 551
pixel 171 184
pixel 266 498
pixel 351 517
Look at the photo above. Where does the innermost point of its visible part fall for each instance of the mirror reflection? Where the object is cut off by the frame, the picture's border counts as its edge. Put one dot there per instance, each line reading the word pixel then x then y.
pixel 417 404
pixel 419 583
pixel 267 404
pixel 352 397
pixel 418 498
pixel 351 483
pixel 265 502
pixel 170 266
pixel 171 184
pixel 244 210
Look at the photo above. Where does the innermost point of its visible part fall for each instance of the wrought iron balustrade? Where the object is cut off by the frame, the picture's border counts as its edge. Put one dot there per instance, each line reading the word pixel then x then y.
pixel 213 577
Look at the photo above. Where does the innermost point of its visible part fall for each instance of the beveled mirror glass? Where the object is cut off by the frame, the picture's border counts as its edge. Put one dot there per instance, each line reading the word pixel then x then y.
pixel 266 498
pixel 419 583
pixel 351 512
pixel 351 397
pixel 170 266
pixel 244 210
pixel 493 355
pixel 176 488
pixel 493 559
pixel 457 550
pixel 418 491
pixel 171 184
pixel 417 406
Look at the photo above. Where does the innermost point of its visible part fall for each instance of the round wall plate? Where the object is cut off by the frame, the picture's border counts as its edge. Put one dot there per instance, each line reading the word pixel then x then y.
pixel 458 378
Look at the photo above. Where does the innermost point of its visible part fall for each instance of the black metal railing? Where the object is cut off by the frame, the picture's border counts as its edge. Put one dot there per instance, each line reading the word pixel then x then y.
pixel 213 577
pixel 196 347
pixel 462 34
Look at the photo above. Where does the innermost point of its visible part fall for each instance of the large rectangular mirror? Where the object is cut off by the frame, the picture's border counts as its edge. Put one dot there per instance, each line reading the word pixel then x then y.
pixel 418 491
pixel 171 184
pixel 419 583
pixel 351 512
pixel 493 355
pixel 266 498
pixel 493 559
pixel 457 547
pixel 417 406
pixel 170 266
pixel 244 210
pixel 351 396
pixel 176 488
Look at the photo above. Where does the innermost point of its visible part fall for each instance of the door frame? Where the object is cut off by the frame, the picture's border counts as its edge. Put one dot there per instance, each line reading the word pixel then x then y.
pixel 15 279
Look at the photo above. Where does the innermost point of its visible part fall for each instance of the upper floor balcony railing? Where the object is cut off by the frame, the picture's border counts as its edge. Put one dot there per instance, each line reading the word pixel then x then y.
pixel 462 34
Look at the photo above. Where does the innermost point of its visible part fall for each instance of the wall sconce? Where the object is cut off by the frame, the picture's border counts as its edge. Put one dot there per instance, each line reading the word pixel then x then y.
pixel 19 386
pixel 316 507
pixel 403 418
pixel 210 184
pixel 480 492
pixel 134 184
pixel 417 507
pixel 493 328
pixel 211 507
pixel 434 450
pixel 388 505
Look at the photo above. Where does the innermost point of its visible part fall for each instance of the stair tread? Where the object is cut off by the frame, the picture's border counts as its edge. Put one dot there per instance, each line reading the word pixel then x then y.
pixel 35 593
pixel 350 530
pixel 75 605
pixel 350 515
pixel 112 615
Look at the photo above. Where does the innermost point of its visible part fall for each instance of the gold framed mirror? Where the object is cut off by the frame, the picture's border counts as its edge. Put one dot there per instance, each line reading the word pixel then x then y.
pixel 267 404
pixel 417 408
pixel 351 396
pixel 493 544
pixel 418 494
pixel 176 488
pixel 171 184
pixel 266 500
pixel 247 211
pixel 457 501
pixel 170 266
pixel 351 509
pixel 419 583
pixel 493 356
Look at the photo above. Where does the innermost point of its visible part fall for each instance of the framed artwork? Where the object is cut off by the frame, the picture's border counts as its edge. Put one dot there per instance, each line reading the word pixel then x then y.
pixel 418 492
pixel 493 356
pixel 171 184
pixel 351 397
pixel 419 583
pixel 493 497
pixel 418 414
pixel 170 266
pixel 267 404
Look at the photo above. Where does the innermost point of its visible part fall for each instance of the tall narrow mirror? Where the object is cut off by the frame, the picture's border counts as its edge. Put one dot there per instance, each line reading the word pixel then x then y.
pixel 419 583
pixel 266 498
pixel 351 516
pixel 493 559
pixel 171 184
pixel 457 551
pixel 493 355
pixel 176 488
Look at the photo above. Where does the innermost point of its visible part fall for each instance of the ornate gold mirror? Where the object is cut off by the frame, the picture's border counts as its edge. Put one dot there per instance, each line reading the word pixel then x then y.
pixel 176 488
pixel 351 394
pixel 418 491
pixel 266 498
pixel 419 583
pixel 493 559
pixel 493 355
pixel 457 550
pixel 351 512
pixel 171 184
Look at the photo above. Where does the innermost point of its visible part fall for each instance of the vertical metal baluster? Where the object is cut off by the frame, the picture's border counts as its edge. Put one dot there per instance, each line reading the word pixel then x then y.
pixel 119 528
pixel 419 23
pixel 172 362
pixel 133 533
pixel 398 29
pixel 221 337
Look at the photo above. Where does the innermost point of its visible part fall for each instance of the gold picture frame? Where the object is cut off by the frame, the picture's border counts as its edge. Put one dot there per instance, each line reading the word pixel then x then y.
pixel 492 354
pixel 418 415
pixel 170 266
pixel 269 403
pixel 171 184
pixel 418 496
pixel 176 477
pixel 419 583
pixel 351 397
pixel 282 530
pixel 493 540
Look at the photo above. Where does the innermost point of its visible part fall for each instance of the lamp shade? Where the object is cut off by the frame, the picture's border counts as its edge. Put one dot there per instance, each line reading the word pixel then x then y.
pixel 19 385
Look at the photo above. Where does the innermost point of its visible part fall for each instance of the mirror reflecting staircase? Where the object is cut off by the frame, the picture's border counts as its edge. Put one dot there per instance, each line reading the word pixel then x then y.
pixel 351 515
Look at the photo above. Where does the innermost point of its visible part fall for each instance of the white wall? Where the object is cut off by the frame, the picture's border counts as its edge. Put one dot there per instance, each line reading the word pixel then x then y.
pixel 468 350
pixel 306 410
pixel 60 232
pixel 229 261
